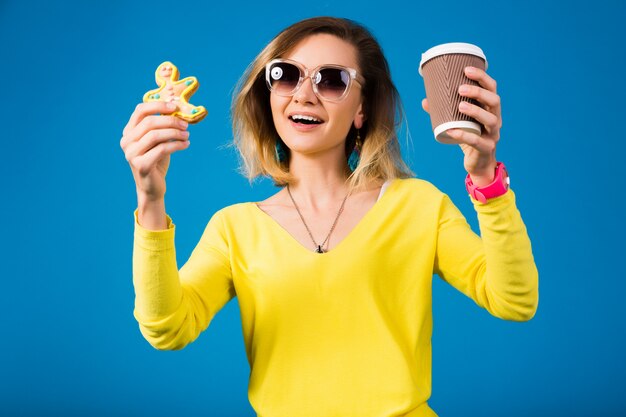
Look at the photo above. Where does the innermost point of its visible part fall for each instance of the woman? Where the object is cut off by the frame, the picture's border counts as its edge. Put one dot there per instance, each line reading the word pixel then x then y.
pixel 332 273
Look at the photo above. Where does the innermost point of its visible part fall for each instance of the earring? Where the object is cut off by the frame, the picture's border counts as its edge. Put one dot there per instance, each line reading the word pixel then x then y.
pixel 281 154
pixel 355 155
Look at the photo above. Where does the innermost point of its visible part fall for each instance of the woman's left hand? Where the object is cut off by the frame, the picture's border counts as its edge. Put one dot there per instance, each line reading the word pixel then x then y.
pixel 480 150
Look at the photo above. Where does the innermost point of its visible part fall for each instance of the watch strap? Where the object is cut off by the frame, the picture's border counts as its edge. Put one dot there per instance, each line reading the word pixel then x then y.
pixel 498 187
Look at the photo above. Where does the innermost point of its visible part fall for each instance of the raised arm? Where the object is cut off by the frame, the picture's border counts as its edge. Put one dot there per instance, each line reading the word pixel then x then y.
pixel 497 269
pixel 172 307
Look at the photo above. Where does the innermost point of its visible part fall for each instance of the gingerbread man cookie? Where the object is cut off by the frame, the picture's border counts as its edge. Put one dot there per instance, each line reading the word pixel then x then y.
pixel 175 91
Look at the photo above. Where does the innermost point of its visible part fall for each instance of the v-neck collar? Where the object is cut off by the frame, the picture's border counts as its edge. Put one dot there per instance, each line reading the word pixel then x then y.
pixel 368 217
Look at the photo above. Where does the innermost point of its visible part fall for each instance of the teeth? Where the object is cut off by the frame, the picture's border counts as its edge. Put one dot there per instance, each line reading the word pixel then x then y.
pixel 302 117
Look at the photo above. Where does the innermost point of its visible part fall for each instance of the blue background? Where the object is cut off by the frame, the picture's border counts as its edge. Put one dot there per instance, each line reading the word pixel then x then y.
pixel 72 74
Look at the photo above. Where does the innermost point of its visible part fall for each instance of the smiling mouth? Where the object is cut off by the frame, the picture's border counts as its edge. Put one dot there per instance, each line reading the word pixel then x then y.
pixel 305 120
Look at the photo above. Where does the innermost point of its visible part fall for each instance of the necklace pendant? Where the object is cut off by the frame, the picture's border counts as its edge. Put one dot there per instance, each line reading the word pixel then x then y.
pixel 319 249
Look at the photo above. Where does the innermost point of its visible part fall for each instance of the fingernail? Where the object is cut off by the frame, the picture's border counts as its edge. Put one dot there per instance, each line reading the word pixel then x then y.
pixel 185 134
pixel 171 106
pixel 183 124
pixel 463 105
pixel 463 89
pixel 470 70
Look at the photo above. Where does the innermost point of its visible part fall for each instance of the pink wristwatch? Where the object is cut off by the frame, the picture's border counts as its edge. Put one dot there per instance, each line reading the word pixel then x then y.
pixel 498 187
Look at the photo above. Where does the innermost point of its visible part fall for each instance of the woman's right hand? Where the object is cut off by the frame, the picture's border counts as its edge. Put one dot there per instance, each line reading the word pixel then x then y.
pixel 148 141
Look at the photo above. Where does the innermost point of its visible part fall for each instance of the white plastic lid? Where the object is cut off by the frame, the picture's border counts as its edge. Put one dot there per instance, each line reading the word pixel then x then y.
pixel 452 48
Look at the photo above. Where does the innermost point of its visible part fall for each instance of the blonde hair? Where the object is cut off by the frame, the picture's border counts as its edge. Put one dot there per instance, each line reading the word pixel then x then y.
pixel 255 135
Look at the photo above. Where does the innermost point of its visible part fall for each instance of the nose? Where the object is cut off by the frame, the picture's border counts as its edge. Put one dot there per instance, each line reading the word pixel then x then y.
pixel 305 93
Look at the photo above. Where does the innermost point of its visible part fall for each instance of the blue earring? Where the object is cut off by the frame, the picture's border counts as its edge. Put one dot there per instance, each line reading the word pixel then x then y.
pixel 355 155
pixel 281 154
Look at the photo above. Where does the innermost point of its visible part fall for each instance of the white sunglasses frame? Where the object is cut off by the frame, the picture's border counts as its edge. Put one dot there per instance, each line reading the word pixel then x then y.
pixel 354 76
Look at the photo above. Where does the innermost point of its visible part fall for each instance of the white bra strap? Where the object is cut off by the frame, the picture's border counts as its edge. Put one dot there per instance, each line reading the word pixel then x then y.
pixel 383 188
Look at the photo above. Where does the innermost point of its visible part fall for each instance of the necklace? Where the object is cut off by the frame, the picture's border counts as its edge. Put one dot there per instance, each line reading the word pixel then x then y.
pixel 318 247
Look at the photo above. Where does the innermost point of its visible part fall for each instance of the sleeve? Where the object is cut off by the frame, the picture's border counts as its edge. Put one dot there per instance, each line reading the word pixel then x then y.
pixel 497 269
pixel 172 307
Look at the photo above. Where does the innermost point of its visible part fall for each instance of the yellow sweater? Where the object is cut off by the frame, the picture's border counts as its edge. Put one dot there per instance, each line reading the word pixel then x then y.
pixel 347 332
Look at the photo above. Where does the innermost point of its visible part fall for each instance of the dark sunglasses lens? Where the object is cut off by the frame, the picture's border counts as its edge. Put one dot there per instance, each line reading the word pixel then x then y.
pixel 332 82
pixel 284 77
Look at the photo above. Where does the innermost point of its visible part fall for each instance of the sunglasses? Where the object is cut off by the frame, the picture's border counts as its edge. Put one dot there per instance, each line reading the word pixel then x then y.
pixel 330 82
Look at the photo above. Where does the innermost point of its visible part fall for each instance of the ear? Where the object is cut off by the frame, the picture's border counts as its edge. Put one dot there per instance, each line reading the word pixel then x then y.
pixel 359 117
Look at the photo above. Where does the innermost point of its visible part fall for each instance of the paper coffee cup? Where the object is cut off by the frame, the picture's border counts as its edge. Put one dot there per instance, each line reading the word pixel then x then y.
pixel 443 70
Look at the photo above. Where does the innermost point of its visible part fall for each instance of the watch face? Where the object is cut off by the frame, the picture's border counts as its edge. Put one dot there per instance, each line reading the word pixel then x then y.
pixel 505 178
